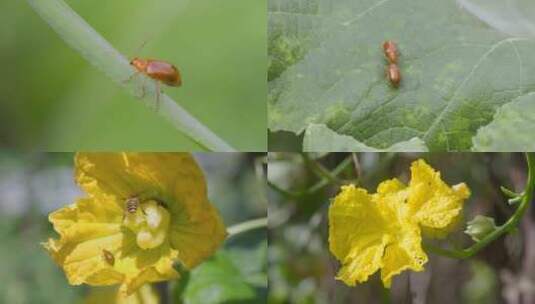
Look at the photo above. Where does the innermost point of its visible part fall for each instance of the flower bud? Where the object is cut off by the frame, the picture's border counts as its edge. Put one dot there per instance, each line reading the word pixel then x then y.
pixel 479 227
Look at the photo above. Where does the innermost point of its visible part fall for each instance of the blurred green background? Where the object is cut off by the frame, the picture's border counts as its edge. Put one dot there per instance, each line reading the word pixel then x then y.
pixel 52 99
pixel 302 270
pixel 33 185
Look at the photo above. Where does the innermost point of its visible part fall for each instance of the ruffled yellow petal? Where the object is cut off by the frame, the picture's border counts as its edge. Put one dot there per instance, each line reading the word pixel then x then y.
pixel 353 216
pixel 173 178
pixel 404 254
pixel 197 238
pixel 433 203
pixel 86 232
pixel 383 230
pixel 391 186
pixel 356 234
pixel 391 199
pixel 362 261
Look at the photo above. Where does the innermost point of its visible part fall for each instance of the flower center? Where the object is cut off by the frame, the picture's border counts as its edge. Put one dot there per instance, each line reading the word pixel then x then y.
pixel 149 221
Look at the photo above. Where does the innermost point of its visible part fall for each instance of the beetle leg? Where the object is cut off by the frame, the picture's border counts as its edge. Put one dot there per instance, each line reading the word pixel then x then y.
pixel 142 88
pixel 157 95
pixel 130 77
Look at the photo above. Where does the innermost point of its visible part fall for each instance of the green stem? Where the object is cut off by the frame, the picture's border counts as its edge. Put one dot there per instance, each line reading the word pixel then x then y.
pixel 95 49
pixel 322 183
pixel 385 295
pixel 319 170
pixel 246 226
pixel 501 230
pixel 284 192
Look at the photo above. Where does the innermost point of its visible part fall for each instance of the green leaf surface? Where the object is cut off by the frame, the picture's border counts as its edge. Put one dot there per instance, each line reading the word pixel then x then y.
pixel 514 17
pixel 507 132
pixel 319 138
pixel 231 276
pixel 327 67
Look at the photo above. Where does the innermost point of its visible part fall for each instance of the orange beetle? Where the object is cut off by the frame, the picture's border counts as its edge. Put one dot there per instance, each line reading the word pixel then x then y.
pixel 393 74
pixel 159 70
pixel 391 51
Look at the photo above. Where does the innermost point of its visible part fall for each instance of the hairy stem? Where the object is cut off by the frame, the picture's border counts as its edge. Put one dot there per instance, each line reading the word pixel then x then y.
pixel 95 49
pixel 246 226
pixel 511 223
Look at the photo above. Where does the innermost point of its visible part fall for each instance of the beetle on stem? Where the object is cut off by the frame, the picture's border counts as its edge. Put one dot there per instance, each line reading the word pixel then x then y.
pixel 160 71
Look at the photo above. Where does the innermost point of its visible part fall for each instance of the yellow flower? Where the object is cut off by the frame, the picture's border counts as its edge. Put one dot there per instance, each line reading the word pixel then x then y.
pixel 368 232
pixel 144 295
pixel 143 213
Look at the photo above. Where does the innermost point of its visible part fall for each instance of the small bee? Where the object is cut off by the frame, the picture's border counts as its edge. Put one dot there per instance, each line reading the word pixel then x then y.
pixel 391 51
pixel 132 204
pixel 393 74
pixel 108 257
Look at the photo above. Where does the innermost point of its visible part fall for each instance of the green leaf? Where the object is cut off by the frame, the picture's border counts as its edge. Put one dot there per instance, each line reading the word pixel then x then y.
pixel 231 276
pixel 511 129
pixel 514 17
pixel 320 138
pixel 457 71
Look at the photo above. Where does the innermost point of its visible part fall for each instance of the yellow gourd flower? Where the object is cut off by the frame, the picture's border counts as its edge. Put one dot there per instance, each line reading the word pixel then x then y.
pixel 144 295
pixel 143 212
pixel 368 232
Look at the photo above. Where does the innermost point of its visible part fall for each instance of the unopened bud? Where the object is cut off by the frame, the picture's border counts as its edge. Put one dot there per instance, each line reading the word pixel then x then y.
pixel 480 227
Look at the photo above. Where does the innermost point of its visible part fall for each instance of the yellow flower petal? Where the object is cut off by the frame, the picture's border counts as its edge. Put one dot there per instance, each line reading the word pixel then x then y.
pixel 85 232
pixel 146 294
pixel 368 232
pixel 174 178
pixel 197 238
pixel 352 217
pixel 433 203
pixel 365 232
pixel 362 262
pixel 391 197
pixel 145 211
pixel 405 254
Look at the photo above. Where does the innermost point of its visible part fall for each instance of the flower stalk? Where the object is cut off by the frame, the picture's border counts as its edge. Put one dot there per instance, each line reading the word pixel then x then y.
pixel 247 226
pixel 508 226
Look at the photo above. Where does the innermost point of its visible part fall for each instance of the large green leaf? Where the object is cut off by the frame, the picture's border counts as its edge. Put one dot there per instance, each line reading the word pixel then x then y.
pixel 327 67
pixel 319 138
pixel 231 276
pixel 511 130
pixel 515 17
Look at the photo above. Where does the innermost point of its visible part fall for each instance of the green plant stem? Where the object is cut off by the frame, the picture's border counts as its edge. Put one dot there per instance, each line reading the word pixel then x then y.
pixel 511 224
pixel 246 226
pixel 322 183
pixel 319 170
pixel 385 295
pixel 95 49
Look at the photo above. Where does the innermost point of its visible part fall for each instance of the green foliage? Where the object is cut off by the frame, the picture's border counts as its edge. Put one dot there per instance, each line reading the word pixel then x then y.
pixel 26 270
pixel 481 287
pixel 456 70
pixel 508 130
pixel 232 276
pixel 319 138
